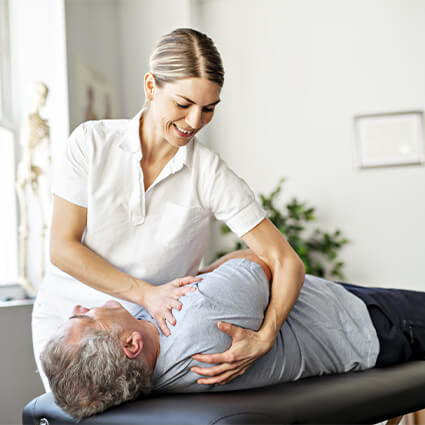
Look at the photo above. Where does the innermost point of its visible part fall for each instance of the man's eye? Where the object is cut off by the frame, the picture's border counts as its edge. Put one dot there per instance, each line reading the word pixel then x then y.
pixel 182 106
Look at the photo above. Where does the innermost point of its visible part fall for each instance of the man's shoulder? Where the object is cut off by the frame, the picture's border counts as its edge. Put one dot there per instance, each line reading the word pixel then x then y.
pixel 236 281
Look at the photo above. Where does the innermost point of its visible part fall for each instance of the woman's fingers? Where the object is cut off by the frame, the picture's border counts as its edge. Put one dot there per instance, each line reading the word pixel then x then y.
pixel 235 375
pixel 167 298
pixel 177 305
pixel 183 291
pixel 163 325
pixel 187 280
pixel 223 378
pixel 245 349
pixel 229 373
pixel 169 317
pixel 226 357
pixel 212 371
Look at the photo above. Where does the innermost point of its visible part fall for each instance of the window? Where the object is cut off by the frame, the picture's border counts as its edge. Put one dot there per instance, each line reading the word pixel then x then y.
pixel 5 82
pixel 8 229
pixel 8 226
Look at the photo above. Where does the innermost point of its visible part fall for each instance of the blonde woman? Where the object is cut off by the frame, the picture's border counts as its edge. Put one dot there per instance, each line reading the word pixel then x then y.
pixel 133 201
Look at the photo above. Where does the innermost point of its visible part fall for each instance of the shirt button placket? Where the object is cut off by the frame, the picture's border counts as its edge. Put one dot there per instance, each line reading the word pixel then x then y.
pixel 138 201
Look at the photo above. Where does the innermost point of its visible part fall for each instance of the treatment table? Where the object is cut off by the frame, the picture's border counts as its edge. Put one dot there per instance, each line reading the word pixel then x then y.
pixel 365 397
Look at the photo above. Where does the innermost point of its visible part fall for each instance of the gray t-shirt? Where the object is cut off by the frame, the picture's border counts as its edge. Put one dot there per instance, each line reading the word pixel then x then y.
pixel 329 330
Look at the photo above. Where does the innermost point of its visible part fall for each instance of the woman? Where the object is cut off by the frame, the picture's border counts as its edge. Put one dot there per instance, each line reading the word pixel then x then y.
pixel 133 201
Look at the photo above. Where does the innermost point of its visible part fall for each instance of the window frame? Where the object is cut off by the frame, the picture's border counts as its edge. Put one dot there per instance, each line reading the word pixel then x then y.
pixel 7 288
pixel 5 68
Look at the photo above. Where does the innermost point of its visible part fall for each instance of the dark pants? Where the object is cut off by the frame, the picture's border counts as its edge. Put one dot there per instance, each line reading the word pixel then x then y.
pixel 399 319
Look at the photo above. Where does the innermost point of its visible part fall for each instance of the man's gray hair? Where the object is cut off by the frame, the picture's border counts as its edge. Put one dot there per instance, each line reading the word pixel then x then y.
pixel 88 377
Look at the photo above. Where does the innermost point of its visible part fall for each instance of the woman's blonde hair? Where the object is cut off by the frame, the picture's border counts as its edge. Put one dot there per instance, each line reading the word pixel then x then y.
pixel 186 53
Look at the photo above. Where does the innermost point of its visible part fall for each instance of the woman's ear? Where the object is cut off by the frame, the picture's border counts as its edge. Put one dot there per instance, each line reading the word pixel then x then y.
pixel 132 344
pixel 149 85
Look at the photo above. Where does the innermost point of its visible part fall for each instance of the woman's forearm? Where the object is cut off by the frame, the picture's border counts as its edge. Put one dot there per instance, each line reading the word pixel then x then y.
pixel 288 278
pixel 88 267
pixel 288 274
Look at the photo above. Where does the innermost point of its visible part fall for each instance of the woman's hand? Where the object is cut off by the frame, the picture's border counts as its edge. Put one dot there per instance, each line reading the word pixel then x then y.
pixel 160 300
pixel 247 346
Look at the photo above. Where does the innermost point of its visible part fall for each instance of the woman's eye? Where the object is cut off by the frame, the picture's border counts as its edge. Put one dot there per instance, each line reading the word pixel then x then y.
pixel 182 106
pixel 208 109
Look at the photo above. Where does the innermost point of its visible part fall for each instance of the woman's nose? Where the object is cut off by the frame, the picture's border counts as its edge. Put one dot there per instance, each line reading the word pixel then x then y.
pixel 79 309
pixel 194 118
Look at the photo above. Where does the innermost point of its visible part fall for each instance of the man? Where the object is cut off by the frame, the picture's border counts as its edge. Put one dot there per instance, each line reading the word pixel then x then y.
pixel 104 356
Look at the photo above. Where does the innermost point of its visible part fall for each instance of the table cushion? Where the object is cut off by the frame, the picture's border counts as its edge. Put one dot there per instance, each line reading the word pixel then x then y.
pixel 363 397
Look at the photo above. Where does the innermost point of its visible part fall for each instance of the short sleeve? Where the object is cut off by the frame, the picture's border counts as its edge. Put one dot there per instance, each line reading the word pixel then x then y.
pixel 70 180
pixel 230 198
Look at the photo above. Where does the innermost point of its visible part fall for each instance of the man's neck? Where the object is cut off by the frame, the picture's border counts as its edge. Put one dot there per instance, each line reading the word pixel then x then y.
pixel 151 345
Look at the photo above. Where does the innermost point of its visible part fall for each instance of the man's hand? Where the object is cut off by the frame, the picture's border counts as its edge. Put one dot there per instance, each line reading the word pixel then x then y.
pixel 247 346
pixel 160 300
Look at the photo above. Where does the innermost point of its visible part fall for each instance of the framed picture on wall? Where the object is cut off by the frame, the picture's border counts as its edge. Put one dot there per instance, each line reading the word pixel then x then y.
pixel 390 139
pixel 96 94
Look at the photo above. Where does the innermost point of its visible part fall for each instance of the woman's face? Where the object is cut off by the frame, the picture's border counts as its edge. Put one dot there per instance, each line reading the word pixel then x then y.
pixel 180 109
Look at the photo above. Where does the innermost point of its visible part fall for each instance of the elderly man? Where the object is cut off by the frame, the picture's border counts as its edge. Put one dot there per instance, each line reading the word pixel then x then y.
pixel 104 356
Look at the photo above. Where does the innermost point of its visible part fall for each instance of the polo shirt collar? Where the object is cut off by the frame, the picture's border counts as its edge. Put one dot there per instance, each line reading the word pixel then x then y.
pixel 183 156
pixel 131 143
pixel 131 139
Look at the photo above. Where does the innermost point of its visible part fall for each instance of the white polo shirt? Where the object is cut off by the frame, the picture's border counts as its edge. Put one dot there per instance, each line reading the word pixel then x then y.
pixel 157 235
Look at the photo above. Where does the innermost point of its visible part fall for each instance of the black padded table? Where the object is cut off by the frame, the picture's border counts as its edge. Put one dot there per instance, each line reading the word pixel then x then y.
pixel 365 397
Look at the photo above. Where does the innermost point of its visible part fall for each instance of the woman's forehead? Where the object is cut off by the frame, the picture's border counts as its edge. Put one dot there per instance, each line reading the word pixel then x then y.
pixel 198 90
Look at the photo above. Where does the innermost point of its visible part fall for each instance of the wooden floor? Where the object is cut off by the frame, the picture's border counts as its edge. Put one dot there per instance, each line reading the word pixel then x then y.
pixel 416 418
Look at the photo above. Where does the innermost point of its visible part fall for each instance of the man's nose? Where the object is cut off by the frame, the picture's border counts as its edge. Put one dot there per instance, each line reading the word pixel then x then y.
pixel 112 303
pixel 79 309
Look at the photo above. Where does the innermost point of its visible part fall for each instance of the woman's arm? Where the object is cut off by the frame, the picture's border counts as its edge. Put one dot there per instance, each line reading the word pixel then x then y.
pixel 288 273
pixel 70 255
pixel 247 346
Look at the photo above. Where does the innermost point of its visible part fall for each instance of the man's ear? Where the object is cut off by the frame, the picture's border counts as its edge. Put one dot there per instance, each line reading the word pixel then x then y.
pixel 132 344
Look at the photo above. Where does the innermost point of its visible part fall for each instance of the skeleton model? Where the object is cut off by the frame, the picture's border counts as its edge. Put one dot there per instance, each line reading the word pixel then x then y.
pixel 36 133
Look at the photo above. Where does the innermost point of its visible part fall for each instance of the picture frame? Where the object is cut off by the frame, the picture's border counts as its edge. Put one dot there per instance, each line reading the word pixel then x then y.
pixel 390 139
pixel 95 93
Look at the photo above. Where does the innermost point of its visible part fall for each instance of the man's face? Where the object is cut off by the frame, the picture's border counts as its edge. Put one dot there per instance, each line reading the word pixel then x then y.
pixel 110 316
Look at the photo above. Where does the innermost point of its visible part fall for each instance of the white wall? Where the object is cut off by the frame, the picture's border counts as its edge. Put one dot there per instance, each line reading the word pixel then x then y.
pixel 296 74
pixel 142 23
pixel 116 38
pixel 93 37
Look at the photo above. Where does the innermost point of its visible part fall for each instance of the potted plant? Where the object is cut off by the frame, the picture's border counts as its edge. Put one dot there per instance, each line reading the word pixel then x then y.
pixel 317 248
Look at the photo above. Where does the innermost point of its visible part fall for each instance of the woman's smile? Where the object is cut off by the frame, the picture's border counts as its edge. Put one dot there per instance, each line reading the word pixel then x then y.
pixel 183 132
